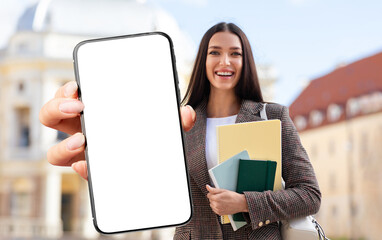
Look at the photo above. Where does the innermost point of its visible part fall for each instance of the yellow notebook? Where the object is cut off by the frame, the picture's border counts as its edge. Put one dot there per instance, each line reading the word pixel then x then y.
pixel 261 139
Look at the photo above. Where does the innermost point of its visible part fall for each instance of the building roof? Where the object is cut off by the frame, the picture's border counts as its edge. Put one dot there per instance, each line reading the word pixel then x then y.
pixel 105 18
pixel 91 17
pixel 351 81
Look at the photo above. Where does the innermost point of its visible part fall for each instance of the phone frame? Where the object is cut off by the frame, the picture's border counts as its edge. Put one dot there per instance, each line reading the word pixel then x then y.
pixel 83 127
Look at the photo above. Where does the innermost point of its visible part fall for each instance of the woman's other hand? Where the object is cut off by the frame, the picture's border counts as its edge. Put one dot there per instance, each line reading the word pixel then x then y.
pixel 63 113
pixel 225 202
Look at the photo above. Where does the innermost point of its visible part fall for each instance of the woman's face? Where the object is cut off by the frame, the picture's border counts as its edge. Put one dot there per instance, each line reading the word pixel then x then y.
pixel 224 61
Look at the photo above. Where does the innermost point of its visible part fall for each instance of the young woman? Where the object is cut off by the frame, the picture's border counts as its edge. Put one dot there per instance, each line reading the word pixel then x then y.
pixel 224 89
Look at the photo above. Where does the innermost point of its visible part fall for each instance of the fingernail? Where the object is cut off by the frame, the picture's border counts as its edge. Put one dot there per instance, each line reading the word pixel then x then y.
pixel 76 141
pixel 192 110
pixel 74 166
pixel 74 106
pixel 70 89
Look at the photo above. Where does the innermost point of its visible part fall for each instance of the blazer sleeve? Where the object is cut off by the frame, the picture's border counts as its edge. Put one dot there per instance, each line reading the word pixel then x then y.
pixel 301 197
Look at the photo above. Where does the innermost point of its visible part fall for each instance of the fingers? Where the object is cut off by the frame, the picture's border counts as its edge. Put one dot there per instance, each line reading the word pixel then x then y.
pixel 214 190
pixel 217 199
pixel 224 202
pixel 216 206
pixel 69 90
pixel 216 210
pixel 188 116
pixel 58 109
pixel 68 151
pixel 81 168
pixel 62 114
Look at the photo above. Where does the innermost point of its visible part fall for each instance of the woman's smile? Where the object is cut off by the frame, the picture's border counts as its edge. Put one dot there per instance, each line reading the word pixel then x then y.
pixel 224 74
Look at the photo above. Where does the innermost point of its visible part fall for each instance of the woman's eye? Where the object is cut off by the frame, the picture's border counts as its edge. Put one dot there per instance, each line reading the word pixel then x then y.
pixel 236 54
pixel 214 53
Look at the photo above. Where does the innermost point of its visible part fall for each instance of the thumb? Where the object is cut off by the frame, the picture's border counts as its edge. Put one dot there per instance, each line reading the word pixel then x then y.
pixel 188 116
pixel 213 190
pixel 81 168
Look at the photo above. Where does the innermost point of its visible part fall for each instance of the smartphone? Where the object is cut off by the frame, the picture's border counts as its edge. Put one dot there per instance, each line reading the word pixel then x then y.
pixel 137 171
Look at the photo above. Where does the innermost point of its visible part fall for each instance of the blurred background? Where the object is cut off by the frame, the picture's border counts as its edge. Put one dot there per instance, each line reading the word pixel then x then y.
pixel 323 59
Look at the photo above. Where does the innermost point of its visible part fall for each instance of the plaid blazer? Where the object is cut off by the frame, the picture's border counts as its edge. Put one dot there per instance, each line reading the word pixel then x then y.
pixel 301 197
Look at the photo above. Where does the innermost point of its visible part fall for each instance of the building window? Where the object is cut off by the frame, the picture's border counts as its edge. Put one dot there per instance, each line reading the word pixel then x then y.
pixel 23 127
pixel 376 101
pixel 352 107
pixel 20 87
pixel 22 47
pixel 20 204
pixel 334 211
pixel 332 147
pixel 365 104
pixel 300 122
pixel 334 112
pixel 24 137
pixel 313 152
pixel 364 143
pixel 349 144
pixel 316 117
pixel 332 182
pixel 354 210
pixel 61 136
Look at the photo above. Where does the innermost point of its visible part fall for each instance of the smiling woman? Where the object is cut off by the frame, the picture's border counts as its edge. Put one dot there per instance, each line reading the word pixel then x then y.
pixel 224 89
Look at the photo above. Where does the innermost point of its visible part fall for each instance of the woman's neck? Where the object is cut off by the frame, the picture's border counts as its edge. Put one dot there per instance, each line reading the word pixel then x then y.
pixel 222 104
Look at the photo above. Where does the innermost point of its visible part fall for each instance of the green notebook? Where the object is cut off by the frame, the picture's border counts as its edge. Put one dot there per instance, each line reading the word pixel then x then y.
pixel 254 176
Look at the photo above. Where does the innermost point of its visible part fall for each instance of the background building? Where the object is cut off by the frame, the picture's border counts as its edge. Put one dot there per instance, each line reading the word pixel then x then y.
pixel 339 117
pixel 36 199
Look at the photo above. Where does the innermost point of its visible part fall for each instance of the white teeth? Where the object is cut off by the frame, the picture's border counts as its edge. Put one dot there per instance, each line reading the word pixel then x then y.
pixel 224 73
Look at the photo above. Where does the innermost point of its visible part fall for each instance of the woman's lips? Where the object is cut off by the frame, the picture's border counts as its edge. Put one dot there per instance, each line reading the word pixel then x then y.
pixel 224 74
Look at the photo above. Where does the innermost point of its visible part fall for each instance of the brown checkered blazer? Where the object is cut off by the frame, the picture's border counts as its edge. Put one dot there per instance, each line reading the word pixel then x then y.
pixel 302 196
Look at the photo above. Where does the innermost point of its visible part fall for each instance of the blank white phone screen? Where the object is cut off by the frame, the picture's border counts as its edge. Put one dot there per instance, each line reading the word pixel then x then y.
pixel 136 163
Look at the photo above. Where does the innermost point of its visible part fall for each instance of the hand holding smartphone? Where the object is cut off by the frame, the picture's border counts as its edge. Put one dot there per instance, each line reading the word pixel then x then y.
pixel 134 141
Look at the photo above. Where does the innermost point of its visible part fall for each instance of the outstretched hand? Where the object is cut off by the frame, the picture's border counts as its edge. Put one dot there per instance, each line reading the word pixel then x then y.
pixel 63 113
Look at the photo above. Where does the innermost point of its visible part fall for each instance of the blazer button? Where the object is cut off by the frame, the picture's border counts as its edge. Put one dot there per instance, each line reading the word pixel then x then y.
pixel 267 222
pixel 261 224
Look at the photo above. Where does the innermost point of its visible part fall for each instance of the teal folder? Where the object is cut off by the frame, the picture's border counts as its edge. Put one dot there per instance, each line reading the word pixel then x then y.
pixel 254 176
pixel 224 176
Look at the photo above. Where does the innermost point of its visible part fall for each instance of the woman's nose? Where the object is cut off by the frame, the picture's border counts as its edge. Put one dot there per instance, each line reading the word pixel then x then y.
pixel 224 60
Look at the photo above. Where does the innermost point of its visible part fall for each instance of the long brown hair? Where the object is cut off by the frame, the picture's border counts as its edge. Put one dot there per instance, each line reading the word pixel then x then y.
pixel 248 86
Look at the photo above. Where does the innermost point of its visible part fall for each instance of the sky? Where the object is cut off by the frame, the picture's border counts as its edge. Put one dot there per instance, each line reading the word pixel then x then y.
pixel 301 39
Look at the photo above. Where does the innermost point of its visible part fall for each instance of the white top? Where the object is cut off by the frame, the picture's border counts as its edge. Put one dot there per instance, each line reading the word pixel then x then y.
pixel 211 141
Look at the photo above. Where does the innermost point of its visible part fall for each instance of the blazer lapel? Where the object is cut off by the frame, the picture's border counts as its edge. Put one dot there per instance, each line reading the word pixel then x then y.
pixel 196 148
pixel 249 111
pixel 196 139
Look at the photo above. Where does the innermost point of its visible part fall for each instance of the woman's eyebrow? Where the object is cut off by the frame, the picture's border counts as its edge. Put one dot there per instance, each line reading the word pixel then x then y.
pixel 217 47
pixel 231 48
